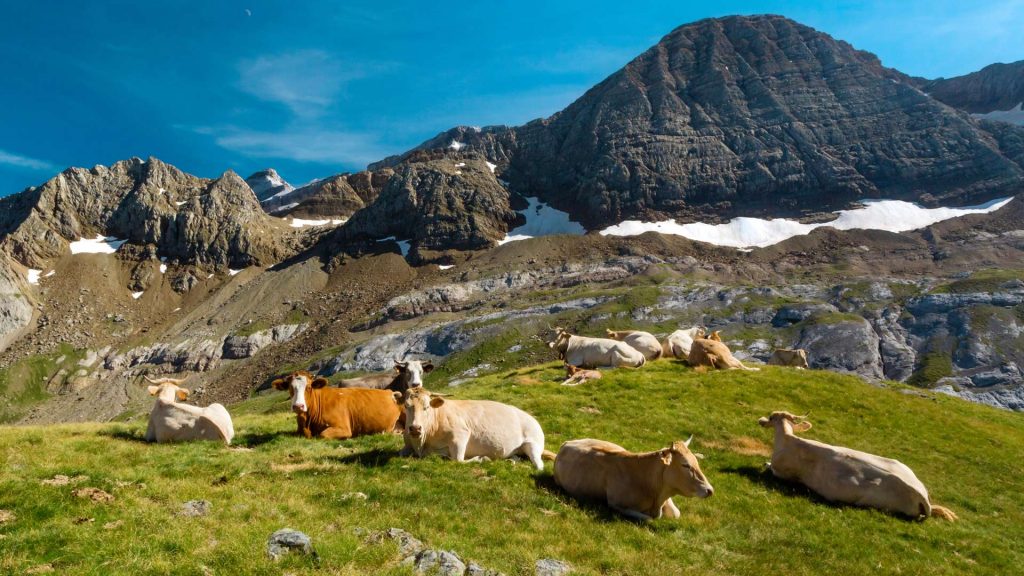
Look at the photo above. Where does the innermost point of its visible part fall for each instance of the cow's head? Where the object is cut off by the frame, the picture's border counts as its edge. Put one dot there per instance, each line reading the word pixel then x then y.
pixel 561 341
pixel 419 405
pixel 788 422
pixel 411 372
pixel 296 384
pixel 571 370
pixel 716 336
pixel 167 389
pixel 682 471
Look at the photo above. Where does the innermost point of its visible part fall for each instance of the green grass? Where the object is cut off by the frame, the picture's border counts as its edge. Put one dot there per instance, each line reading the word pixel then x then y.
pixel 987 280
pixel 505 515
pixel 23 383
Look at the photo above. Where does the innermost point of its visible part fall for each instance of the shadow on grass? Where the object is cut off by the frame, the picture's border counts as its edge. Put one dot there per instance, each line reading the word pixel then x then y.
pixel 253 439
pixel 546 481
pixel 127 434
pixel 374 458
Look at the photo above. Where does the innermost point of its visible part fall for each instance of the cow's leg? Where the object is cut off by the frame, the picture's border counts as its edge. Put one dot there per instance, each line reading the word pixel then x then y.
pixel 457 449
pixel 337 433
pixel 533 452
pixel 629 513
pixel 669 510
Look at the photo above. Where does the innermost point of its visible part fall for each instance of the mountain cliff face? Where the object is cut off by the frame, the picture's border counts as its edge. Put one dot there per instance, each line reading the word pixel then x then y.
pixel 994 88
pixel 268 183
pixel 745 116
pixel 340 195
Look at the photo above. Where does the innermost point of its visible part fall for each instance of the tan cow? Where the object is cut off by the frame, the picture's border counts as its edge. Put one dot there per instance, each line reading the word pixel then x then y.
pixel 797 358
pixel 174 421
pixel 340 413
pixel 714 354
pixel 639 486
pixel 678 343
pixel 716 336
pixel 593 352
pixel 473 429
pixel 843 475
pixel 577 376
pixel 644 342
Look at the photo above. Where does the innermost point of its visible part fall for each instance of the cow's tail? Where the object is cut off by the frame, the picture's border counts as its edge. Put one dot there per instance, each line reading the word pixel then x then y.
pixel 944 513
pixel 748 368
pixel 550 456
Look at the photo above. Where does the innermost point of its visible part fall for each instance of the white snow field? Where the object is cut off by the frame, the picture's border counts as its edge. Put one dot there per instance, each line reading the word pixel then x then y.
pixel 445 266
pixel 33 275
pixel 542 220
pixel 97 245
pixel 1013 115
pixel 136 295
pixel 300 223
pixel 889 215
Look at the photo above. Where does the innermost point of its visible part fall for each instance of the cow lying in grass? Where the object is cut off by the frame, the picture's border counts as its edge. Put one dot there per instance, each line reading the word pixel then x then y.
pixel 849 476
pixel 643 342
pixel 639 486
pixel 174 421
pixel 714 354
pixel 594 352
pixel 678 343
pixel 339 413
pixel 470 429
pixel 796 358
pixel 406 375
pixel 577 376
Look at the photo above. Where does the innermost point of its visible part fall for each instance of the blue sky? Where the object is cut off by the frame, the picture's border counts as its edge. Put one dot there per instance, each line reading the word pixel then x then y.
pixel 314 88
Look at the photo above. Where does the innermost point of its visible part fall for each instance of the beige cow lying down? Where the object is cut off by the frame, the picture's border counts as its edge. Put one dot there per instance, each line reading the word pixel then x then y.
pixel 174 421
pixel 849 476
pixel 587 352
pixel 644 342
pixel 469 429
pixel 639 486
pixel 714 354
pixel 576 376
pixel 796 358
pixel 678 343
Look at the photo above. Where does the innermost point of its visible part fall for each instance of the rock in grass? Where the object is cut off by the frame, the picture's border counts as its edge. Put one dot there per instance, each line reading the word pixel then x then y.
pixel 286 540
pixel 94 494
pixel 475 569
pixel 443 562
pixel 194 508
pixel 408 545
pixel 551 567
pixel 7 516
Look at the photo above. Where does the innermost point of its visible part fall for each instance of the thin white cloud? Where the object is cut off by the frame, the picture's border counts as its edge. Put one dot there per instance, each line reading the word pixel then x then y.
pixel 20 161
pixel 299 143
pixel 307 81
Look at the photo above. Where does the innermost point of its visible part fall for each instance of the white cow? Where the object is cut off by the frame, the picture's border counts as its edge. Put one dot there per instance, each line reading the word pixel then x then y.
pixel 586 352
pixel 678 343
pixel 174 421
pixel 849 476
pixel 473 429
pixel 644 342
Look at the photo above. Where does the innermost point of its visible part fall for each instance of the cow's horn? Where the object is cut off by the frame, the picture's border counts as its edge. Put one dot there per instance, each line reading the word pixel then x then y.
pixel 688 440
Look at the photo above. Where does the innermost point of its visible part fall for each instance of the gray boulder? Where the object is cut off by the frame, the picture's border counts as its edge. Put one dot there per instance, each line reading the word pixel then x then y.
pixel 236 347
pixel 287 540
pixel 843 345
pixel 552 567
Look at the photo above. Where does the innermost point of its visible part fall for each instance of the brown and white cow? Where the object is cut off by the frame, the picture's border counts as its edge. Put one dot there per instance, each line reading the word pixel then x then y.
pixel 639 486
pixel 340 413
pixel 470 429
pixel 576 376
pixel 678 343
pixel 796 358
pixel 588 352
pixel 714 354
pixel 644 342
pixel 171 420
pixel 849 476
pixel 407 375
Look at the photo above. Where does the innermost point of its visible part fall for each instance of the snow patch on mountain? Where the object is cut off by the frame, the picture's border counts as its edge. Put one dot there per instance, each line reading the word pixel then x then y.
pixel 889 215
pixel 300 223
pixel 97 245
pixel 542 220
pixel 33 275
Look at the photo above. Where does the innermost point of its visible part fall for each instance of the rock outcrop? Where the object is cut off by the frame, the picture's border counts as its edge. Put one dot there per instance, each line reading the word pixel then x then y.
pixel 267 184
pixel 337 196
pixel 15 306
pixel 997 87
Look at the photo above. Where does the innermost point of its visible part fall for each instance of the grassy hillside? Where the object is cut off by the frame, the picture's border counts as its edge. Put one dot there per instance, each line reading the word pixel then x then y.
pixel 506 516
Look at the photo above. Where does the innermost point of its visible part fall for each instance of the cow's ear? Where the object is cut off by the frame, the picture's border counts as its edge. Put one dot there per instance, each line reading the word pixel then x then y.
pixel 802 426
pixel 278 384
pixel 319 382
pixel 398 397
pixel 181 394
pixel 153 390
pixel 428 367
pixel 436 402
pixel 666 456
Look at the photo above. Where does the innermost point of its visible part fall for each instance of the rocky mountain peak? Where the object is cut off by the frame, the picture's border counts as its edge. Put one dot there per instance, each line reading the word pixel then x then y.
pixel 267 183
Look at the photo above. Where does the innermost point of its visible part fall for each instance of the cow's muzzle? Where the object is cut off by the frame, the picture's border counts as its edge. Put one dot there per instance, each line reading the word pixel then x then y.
pixel 708 492
pixel 415 431
pixel 298 408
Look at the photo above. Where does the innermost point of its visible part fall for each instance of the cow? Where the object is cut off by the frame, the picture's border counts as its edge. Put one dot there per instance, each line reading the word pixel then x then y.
pixel 644 342
pixel 678 343
pixel 848 476
pixel 173 421
pixel 639 486
pixel 715 355
pixel 716 336
pixel 797 358
pixel 407 375
pixel 593 352
pixel 470 429
pixel 577 376
pixel 339 413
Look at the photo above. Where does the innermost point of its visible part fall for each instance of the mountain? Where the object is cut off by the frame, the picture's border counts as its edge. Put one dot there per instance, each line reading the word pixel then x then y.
pixel 268 183
pixel 995 92
pixel 337 196
pixel 745 116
